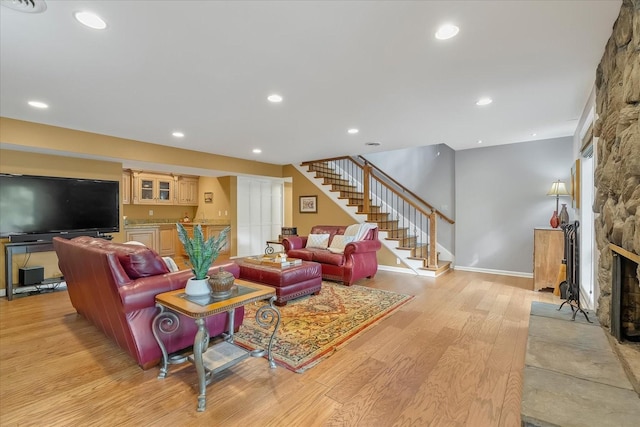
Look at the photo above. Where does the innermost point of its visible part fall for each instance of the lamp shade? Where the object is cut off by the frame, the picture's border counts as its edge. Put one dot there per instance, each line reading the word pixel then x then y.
pixel 558 189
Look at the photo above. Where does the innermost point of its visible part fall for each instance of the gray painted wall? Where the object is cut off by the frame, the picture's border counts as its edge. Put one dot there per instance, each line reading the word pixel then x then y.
pixel 501 197
pixel 429 172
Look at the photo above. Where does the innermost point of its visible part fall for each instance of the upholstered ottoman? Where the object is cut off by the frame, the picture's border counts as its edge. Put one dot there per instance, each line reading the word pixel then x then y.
pixel 289 282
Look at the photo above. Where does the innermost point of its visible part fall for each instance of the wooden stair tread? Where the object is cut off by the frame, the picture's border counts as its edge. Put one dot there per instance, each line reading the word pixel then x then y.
pixel 442 266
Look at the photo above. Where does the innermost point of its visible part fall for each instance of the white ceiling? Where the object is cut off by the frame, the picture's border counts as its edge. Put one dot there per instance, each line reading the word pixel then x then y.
pixel 206 67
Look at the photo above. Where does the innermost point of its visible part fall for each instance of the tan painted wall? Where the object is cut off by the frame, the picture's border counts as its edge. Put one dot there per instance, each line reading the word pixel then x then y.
pixel 218 209
pixel 66 144
pixel 38 136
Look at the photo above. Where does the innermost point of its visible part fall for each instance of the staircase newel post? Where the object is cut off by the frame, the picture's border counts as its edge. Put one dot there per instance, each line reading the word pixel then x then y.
pixel 366 178
pixel 433 243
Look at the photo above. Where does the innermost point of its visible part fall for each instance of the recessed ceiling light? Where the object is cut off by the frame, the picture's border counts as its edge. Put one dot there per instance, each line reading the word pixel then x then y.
pixel 178 134
pixel 484 101
pixel 38 104
pixel 257 151
pixel 534 134
pixel 447 31
pixel 353 131
pixel 479 141
pixel 91 20
pixel 372 144
pixel 274 98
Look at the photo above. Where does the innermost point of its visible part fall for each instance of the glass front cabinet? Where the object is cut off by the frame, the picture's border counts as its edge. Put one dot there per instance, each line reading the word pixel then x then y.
pixel 154 189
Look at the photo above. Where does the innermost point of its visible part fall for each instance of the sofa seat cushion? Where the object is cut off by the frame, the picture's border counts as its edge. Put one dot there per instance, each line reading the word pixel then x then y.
pixel 303 254
pixel 327 257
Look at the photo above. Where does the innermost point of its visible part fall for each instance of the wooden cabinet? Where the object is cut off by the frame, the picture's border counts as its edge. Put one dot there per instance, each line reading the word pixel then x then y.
pixel 126 187
pixel 187 191
pixel 152 189
pixel 548 253
pixel 159 189
pixel 161 239
pixel 148 236
pixel 209 230
pixel 214 231
pixel 167 241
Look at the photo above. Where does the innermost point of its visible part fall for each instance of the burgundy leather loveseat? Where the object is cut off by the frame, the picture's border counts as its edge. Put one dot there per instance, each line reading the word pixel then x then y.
pixel 358 260
pixel 113 285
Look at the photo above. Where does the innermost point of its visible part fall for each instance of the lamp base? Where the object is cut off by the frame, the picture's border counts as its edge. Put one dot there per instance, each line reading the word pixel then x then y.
pixel 555 220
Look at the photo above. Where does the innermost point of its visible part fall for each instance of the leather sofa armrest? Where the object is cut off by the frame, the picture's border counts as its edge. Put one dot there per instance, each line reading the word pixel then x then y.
pixel 294 242
pixel 141 293
pixel 362 246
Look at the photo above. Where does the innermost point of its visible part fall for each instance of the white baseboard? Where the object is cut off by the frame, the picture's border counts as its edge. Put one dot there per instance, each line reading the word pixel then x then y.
pixel 490 271
pixel 397 269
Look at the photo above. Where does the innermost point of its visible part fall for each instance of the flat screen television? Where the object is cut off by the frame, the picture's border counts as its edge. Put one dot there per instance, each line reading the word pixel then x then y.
pixel 37 208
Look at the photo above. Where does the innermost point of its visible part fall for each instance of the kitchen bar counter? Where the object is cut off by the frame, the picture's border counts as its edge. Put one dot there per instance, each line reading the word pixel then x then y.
pixel 158 224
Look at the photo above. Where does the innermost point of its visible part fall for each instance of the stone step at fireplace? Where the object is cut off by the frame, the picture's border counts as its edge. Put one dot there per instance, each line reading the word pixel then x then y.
pixel 572 375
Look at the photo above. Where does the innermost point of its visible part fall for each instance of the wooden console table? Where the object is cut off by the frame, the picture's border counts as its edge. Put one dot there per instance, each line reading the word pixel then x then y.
pixel 11 249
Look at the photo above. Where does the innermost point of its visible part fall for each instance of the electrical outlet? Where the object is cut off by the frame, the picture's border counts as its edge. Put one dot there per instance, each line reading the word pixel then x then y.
pixel 150 212
pixel 225 213
pixel 219 213
pixel 398 261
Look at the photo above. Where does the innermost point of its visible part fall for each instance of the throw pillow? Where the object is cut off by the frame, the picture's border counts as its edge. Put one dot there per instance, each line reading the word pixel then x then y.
pixel 141 262
pixel 318 241
pixel 339 242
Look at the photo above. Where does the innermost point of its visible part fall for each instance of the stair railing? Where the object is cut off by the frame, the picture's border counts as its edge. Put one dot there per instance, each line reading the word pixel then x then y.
pixel 401 213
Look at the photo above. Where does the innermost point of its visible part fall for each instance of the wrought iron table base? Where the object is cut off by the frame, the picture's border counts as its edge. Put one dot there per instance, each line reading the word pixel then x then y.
pixel 167 322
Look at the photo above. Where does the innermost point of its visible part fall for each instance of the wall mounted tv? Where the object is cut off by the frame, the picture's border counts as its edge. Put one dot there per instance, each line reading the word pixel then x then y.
pixel 37 208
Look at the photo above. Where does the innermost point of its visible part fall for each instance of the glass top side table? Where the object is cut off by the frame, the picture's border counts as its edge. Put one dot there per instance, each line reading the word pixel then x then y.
pixel 209 360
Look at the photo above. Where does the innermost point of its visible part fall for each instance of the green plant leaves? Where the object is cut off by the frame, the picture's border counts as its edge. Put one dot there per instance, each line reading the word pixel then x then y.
pixel 202 253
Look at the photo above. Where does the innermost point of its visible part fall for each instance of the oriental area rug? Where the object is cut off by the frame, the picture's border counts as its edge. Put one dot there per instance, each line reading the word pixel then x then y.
pixel 315 326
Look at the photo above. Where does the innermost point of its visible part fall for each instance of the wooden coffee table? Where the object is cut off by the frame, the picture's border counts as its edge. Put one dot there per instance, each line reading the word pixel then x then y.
pixel 223 354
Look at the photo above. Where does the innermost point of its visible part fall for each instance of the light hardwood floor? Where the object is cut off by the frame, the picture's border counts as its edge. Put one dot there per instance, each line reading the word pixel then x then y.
pixel 453 356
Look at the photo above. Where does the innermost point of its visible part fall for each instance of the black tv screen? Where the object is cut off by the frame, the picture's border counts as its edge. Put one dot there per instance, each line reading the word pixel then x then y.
pixel 35 206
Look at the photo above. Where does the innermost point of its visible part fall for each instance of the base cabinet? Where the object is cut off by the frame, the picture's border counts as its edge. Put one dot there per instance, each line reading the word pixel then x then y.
pixel 167 241
pixel 148 236
pixel 548 253
pixel 209 230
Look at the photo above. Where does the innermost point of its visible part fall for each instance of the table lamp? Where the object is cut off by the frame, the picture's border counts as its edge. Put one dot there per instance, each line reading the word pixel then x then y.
pixel 557 189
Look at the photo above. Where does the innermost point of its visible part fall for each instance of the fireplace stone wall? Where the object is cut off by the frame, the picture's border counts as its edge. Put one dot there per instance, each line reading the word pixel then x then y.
pixel 617 174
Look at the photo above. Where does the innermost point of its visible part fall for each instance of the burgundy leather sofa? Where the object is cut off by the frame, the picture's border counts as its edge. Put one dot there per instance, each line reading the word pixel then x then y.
pixel 358 261
pixel 113 285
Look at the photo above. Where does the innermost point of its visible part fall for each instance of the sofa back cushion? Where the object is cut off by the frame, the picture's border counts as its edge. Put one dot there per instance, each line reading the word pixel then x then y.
pixel 143 262
pixel 338 243
pixel 136 260
pixel 318 241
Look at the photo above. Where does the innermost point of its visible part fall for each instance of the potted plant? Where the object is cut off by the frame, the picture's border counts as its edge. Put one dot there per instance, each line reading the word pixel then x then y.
pixel 202 253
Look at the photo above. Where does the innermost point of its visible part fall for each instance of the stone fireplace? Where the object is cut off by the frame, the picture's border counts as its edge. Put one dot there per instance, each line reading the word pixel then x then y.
pixel 617 174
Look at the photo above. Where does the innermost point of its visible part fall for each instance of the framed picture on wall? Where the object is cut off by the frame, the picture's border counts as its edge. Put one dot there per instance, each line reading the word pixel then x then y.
pixel 308 204
pixel 208 197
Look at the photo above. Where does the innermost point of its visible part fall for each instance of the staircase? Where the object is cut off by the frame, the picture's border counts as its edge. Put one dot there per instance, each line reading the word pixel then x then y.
pixel 406 224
